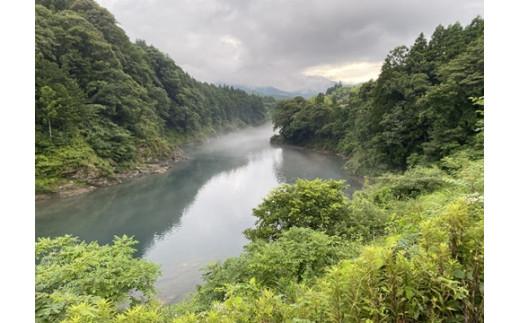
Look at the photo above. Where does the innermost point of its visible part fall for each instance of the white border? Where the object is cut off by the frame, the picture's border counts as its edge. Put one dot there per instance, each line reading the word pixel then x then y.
pixel 502 162
pixel 17 161
pixel 502 208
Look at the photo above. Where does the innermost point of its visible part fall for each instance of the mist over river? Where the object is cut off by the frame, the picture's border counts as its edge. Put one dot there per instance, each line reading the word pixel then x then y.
pixel 195 213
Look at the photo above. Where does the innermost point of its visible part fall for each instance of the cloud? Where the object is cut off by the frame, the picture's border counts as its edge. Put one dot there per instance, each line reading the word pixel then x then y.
pixel 350 73
pixel 287 43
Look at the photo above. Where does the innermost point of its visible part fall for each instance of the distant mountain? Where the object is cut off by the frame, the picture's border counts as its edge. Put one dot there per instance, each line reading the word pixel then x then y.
pixel 277 93
pixel 280 94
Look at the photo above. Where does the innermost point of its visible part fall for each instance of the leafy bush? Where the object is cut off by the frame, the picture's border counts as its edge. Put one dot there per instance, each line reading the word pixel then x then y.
pixel 365 220
pixel 75 160
pixel 299 255
pixel 316 204
pixel 465 168
pixel 430 280
pixel 410 184
pixel 246 302
pixel 72 275
pixel 320 205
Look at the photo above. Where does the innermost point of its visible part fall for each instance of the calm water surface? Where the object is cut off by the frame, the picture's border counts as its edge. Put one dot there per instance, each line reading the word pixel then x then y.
pixel 195 213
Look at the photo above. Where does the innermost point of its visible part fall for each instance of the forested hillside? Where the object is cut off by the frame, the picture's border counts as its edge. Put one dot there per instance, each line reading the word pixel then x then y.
pixel 105 104
pixel 424 105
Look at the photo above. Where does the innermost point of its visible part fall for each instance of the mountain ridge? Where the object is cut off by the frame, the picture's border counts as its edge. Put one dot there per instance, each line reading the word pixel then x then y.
pixel 278 93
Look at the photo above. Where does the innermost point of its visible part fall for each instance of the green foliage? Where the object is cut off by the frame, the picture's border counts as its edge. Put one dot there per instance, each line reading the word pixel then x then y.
pixel 67 160
pixel 427 281
pixel 126 103
pixel 418 110
pixel 412 183
pixel 319 205
pixel 298 256
pixel 75 279
pixel 315 204
pixel 246 303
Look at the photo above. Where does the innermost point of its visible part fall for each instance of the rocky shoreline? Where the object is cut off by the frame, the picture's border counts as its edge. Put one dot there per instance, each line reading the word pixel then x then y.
pixel 84 183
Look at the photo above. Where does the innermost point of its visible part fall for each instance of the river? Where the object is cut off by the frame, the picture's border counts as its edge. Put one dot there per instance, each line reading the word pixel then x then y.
pixel 195 213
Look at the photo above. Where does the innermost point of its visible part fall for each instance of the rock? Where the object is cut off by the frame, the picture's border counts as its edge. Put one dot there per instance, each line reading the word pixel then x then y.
pixel 72 191
pixel 95 179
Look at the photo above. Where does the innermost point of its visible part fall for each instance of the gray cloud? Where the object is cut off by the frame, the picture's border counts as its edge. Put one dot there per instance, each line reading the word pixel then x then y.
pixel 273 42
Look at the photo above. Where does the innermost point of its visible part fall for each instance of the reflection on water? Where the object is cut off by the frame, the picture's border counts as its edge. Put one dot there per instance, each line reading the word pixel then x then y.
pixel 194 214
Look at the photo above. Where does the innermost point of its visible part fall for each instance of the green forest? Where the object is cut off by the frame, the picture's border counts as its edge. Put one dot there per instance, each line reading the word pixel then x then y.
pixel 426 104
pixel 408 247
pixel 105 104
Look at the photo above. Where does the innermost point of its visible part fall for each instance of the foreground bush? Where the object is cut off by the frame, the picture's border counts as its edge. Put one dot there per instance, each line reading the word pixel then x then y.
pixel 298 256
pixel 434 277
pixel 75 278
pixel 316 204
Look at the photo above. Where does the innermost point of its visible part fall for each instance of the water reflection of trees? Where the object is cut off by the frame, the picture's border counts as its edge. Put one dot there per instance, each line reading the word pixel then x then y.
pixel 145 208
pixel 301 163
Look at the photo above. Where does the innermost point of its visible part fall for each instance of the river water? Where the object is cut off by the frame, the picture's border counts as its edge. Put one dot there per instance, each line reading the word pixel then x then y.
pixel 195 213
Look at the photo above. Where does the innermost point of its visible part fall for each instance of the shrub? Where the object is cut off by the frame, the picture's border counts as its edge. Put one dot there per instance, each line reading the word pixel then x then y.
pixel 72 275
pixel 299 255
pixel 409 185
pixel 437 277
pixel 316 204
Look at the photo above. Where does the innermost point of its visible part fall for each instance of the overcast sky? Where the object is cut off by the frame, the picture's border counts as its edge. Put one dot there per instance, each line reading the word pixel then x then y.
pixel 289 44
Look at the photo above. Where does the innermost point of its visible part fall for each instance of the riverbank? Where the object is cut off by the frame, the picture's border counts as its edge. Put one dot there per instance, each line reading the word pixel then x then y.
pixel 84 182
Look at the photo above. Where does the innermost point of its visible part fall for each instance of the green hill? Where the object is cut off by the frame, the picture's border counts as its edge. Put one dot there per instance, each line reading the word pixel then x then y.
pixel 105 104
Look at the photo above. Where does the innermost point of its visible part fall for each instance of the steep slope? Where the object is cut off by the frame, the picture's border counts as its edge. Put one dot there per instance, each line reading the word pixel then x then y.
pixel 105 104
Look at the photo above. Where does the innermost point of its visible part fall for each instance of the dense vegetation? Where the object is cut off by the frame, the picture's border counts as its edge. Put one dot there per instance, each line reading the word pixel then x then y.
pixel 105 104
pixel 421 107
pixel 407 248
pixel 74 278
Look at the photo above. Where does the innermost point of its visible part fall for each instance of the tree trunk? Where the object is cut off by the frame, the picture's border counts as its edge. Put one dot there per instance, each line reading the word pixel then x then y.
pixel 50 128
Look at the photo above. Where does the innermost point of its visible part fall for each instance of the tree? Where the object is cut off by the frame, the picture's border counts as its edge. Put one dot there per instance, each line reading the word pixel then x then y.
pixel 50 106
pixel 320 99
pixel 316 204
pixel 299 255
